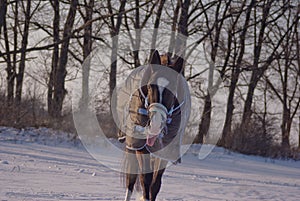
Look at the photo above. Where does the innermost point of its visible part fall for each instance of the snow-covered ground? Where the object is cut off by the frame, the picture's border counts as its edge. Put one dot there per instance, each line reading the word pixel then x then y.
pixel 41 164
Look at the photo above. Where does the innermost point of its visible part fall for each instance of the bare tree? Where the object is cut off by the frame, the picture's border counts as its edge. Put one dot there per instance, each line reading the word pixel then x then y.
pixel 11 58
pixel 286 68
pixel 136 21
pixel 114 27
pixel 20 32
pixel 239 46
pixel 259 66
pixel 55 56
pixel 257 54
pixel 87 48
pixel 182 29
pixel 10 61
pixel 156 26
pixel 20 74
pixel 214 39
pixel 60 73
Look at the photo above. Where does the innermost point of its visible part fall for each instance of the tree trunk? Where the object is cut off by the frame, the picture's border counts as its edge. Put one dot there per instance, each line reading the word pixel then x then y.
pixel 226 139
pixel 182 30
pixel 205 121
pixel 299 133
pixel 173 28
pixel 10 71
pixel 285 130
pixel 248 103
pixel 15 47
pixel 3 9
pixel 20 75
pixel 55 57
pixel 115 42
pixel 87 48
pixel 59 80
pixel 156 26
pixel 138 30
pixel 11 60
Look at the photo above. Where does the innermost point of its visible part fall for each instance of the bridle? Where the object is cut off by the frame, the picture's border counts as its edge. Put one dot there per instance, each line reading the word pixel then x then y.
pixel 160 108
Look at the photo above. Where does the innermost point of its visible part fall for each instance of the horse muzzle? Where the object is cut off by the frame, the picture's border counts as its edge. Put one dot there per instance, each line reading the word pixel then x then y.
pixel 158 117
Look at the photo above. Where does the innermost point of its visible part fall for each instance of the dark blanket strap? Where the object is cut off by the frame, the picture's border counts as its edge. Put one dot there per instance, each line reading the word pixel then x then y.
pixel 135 149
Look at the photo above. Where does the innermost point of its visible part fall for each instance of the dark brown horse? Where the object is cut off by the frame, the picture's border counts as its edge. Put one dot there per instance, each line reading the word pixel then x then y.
pixel 155 111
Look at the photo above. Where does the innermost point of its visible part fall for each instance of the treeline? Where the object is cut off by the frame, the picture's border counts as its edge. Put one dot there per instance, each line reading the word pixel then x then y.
pixel 253 45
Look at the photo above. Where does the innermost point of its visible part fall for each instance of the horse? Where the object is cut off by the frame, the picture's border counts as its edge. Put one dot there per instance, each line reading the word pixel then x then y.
pixel 155 111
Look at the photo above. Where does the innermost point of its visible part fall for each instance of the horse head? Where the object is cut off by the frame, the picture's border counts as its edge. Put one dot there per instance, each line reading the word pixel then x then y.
pixel 161 99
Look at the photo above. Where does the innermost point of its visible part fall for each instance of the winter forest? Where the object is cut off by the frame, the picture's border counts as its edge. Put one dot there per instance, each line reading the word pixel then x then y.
pixel 252 46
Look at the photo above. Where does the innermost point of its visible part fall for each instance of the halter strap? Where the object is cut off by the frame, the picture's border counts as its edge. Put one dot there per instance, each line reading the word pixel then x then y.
pixel 147 106
pixel 174 109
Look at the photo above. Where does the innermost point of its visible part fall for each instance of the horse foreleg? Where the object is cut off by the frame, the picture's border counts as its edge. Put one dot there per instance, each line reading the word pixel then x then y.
pixel 128 195
pixel 131 168
pixel 155 187
pixel 130 181
pixel 159 168
pixel 146 180
pixel 146 175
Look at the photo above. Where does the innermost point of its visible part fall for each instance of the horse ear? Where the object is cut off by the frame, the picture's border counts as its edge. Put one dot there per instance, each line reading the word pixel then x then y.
pixel 178 65
pixel 155 58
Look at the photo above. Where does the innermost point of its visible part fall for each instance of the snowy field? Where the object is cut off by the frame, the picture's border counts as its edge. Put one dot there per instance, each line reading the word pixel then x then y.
pixel 40 164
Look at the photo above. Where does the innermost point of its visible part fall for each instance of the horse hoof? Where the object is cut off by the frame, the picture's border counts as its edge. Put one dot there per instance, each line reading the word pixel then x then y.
pixel 143 199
